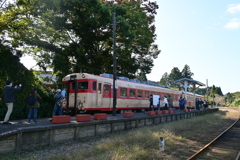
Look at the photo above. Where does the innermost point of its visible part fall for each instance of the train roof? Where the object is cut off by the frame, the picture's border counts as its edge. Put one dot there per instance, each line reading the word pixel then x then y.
pixel 106 75
pixel 122 79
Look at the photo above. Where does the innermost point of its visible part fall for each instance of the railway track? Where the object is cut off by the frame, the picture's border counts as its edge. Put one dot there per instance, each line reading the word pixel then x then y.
pixel 227 142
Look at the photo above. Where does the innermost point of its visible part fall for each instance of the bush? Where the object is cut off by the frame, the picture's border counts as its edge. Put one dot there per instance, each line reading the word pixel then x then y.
pixel 12 69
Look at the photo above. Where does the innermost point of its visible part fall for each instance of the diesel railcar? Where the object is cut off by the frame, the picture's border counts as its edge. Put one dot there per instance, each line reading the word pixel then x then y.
pixel 88 92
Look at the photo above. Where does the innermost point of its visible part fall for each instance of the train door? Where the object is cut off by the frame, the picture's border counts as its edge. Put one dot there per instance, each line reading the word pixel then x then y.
pixel 95 94
pixel 106 101
pixel 72 97
pixel 99 94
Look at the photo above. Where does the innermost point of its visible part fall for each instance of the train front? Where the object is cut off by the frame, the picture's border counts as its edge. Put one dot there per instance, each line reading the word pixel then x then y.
pixel 77 88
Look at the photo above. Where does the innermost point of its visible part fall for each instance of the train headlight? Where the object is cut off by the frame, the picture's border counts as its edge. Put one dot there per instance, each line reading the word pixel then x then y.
pixel 83 75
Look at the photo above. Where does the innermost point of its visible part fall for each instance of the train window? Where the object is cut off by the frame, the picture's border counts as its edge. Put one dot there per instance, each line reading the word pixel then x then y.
pixel 82 85
pixel 94 85
pixel 99 88
pixel 106 88
pixel 146 94
pixel 123 92
pixel 132 93
pixel 140 94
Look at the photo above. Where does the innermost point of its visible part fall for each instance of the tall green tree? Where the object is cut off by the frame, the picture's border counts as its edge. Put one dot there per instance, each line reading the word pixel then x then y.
pixel 218 91
pixel 173 76
pixel 230 98
pixel 73 36
pixel 164 80
pixel 213 92
pixel 186 72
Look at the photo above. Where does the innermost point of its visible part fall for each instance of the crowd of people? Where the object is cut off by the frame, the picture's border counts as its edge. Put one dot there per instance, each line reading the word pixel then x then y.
pixel 33 101
pixel 168 103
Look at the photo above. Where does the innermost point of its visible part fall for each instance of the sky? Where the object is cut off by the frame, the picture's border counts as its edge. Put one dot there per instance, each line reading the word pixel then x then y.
pixel 204 34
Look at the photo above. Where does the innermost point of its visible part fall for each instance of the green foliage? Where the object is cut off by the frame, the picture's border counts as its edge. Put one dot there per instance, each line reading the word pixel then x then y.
pixel 186 72
pixel 236 103
pixel 142 77
pixel 12 69
pixel 168 79
pixel 233 99
pixel 164 80
pixel 173 76
pixel 71 35
pixel 201 91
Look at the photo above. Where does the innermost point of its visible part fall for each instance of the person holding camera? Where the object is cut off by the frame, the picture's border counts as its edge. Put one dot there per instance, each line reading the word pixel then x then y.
pixel 9 98
pixel 58 103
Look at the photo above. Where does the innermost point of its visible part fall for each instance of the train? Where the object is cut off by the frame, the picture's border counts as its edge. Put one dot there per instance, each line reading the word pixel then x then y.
pixel 88 93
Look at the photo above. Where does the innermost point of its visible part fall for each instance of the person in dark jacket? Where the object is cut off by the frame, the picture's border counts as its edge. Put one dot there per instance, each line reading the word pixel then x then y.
pixel 33 109
pixel 58 105
pixel 151 107
pixel 197 104
pixel 170 101
pixel 9 98
pixel 181 103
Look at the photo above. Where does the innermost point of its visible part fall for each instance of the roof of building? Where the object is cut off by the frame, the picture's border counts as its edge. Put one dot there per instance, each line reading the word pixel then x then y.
pixel 190 81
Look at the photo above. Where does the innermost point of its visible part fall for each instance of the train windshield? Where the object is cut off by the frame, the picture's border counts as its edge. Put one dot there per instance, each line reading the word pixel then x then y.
pixel 80 85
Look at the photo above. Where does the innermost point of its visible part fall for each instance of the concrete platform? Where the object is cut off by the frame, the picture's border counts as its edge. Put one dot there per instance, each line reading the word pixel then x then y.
pixel 20 124
pixel 21 135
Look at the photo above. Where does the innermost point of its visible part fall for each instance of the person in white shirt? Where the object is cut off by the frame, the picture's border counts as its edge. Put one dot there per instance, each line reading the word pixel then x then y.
pixel 165 102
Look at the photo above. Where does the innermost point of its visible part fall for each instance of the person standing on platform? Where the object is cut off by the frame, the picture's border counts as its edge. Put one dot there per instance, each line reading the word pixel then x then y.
pixel 205 104
pixel 58 105
pixel 165 103
pixel 197 104
pixel 159 103
pixel 200 104
pixel 151 107
pixel 9 98
pixel 170 101
pixel 33 108
pixel 181 103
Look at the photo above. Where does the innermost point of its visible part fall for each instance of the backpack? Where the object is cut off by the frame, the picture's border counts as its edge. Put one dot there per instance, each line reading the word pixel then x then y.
pixel 31 100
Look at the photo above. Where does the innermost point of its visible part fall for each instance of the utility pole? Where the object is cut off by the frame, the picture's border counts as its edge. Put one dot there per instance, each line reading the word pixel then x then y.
pixel 114 65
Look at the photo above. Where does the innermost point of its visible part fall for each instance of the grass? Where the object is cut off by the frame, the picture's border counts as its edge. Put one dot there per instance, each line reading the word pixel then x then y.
pixel 181 141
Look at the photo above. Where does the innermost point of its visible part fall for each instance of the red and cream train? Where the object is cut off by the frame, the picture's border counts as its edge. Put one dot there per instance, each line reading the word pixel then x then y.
pixel 87 92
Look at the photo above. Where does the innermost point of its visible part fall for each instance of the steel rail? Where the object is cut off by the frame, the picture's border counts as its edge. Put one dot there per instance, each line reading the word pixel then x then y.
pixel 206 146
pixel 238 156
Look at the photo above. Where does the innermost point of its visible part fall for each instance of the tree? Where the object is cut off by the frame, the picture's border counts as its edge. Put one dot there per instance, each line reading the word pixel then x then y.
pixel 186 72
pixel 218 91
pixel 229 98
pixel 201 91
pixel 173 76
pixel 164 80
pixel 73 36
pixel 142 77
pixel 213 92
